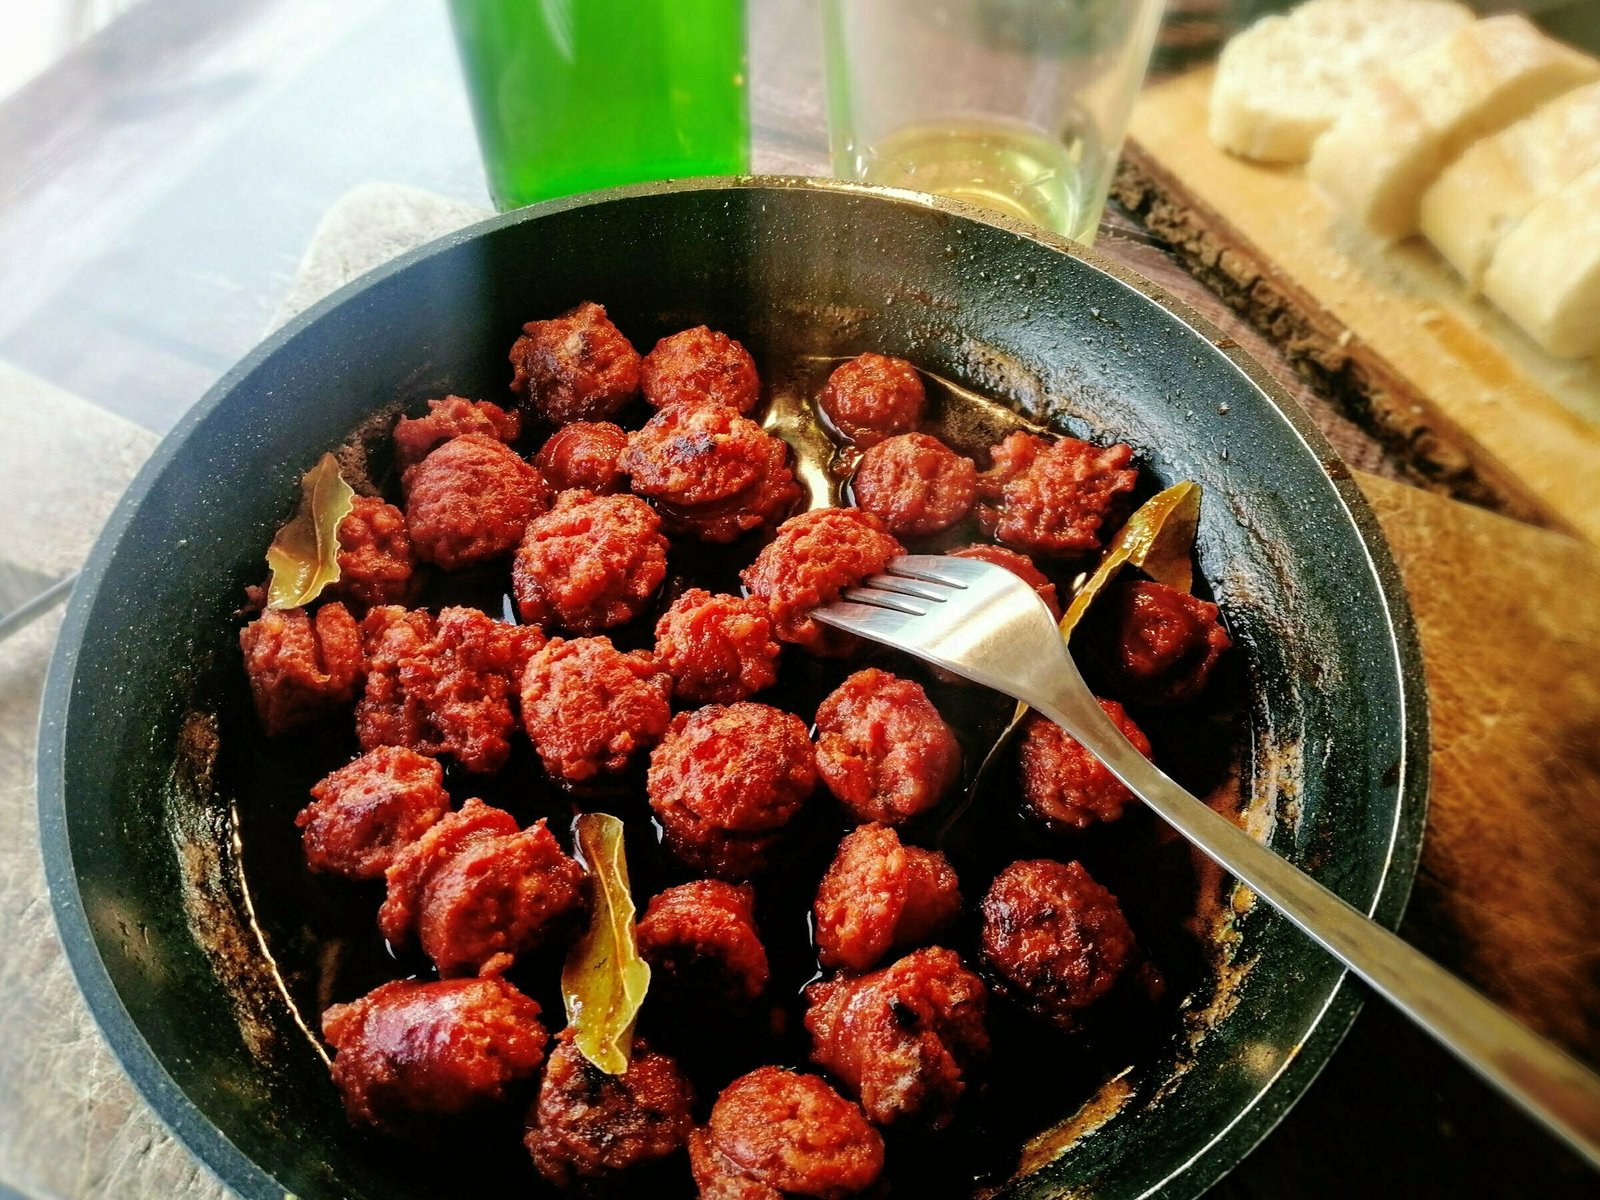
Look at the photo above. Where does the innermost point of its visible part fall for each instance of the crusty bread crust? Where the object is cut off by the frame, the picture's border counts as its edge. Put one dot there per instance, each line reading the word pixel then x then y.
pixel 1546 273
pixel 1481 197
pixel 1286 79
pixel 1389 146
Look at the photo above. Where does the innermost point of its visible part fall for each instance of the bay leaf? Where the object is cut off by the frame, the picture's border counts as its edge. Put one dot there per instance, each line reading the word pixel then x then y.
pixel 1158 539
pixel 604 980
pixel 304 556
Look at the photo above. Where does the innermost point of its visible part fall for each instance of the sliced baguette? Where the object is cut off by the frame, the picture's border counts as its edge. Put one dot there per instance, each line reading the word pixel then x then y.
pixel 1482 196
pixel 1283 81
pixel 1545 275
pixel 1394 140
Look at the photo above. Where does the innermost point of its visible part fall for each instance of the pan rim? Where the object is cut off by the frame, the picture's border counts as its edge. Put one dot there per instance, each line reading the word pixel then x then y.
pixel 1221 1153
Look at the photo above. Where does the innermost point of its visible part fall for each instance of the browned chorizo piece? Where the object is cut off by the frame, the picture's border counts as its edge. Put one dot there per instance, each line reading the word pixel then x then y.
pixel 443 686
pixel 701 938
pixel 880 895
pixel 585 454
pixel 916 483
pixel 417 437
pixel 883 749
pixel 757 509
pixel 701 366
pixel 470 679
pixel 694 455
pixel 774 1133
pixel 590 1125
pixel 718 649
pixel 716 1178
pixel 409 1052
pixel 873 397
pixel 362 814
pixel 590 563
pixel 1167 642
pixel 468 502
pixel 591 709
pixel 902 1039
pixel 725 781
pixel 386 715
pixel 575 367
pixel 476 891
pixel 302 669
pixel 376 563
pixel 814 557
pixel 1053 497
pixel 1019 565
pixel 1064 785
pixel 1054 937
pixel 711 473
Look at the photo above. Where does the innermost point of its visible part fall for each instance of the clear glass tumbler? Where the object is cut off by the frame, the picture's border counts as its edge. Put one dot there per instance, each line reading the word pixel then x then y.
pixel 1019 105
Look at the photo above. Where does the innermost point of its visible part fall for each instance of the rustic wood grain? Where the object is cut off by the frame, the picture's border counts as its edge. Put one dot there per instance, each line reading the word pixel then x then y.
pixel 1509 888
pixel 1474 407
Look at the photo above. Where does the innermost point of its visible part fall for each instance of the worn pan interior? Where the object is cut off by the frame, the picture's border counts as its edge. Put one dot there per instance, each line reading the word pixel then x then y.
pixel 136 837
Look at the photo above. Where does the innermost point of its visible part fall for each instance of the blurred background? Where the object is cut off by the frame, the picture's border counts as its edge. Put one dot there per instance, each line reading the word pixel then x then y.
pixel 34 34
pixel 167 161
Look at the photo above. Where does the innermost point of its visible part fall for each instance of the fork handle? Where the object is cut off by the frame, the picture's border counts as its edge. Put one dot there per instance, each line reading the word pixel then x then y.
pixel 1549 1084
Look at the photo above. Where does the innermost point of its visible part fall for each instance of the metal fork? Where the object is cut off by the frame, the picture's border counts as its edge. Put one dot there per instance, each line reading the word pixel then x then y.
pixel 986 624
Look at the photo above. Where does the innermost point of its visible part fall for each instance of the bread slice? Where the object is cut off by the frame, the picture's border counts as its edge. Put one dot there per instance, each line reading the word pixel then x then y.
pixel 1545 274
pixel 1496 182
pixel 1284 80
pixel 1394 140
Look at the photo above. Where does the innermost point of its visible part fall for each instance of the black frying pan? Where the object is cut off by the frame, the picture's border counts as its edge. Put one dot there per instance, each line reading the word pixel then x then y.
pixel 137 829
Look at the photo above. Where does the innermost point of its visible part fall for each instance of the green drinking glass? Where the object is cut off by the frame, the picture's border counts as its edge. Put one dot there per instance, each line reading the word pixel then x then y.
pixel 572 95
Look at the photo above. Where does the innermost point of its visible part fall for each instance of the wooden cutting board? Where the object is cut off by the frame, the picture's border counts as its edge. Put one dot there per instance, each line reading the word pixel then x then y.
pixel 1508 892
pixel 1459 393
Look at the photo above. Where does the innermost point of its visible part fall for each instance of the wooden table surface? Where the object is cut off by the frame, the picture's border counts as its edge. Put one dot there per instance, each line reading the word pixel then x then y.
pixel 159 189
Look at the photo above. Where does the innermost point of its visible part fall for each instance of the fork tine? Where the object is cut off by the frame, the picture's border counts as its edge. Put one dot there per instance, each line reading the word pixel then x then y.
pixel 912 606
pixel 935 568
pixel 866 620
pixel 907 586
